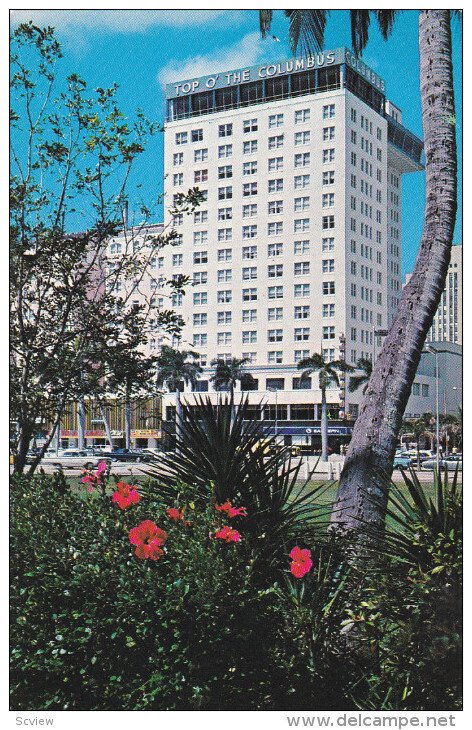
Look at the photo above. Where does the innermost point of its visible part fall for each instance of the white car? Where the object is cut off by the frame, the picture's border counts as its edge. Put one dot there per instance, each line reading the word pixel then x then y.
pixel 72 458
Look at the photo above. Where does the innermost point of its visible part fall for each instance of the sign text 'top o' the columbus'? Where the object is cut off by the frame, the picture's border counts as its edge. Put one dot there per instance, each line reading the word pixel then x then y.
pixel 281 68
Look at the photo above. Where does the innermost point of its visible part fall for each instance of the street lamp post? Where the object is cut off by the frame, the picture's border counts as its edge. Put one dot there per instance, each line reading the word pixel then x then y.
pixel 436 355
pixel 276 424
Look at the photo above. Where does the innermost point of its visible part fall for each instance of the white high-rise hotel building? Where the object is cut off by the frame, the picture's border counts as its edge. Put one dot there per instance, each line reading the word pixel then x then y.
pixel 296 247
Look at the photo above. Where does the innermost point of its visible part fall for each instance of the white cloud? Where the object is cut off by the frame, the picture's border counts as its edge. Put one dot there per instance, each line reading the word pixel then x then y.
pixel 248 51
pixel 123 21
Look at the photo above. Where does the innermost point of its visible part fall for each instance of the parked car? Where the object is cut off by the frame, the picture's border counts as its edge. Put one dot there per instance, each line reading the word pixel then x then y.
pixel 451 462
pixel 135 455
pixel 401 461
pixel 70 458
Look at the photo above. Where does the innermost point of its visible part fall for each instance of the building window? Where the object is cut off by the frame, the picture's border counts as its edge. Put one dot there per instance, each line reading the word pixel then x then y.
pixel 200 298
pixel 276 120
pixel 225 130
pixel 249 168
pixel 225 150
pixel 249 272
pixel 249 337
pixel 301 138
pixel 328 177
pixel 197 135
pixel 225 234
pixel 275 270
pixel 275 207
pixel 249 189
pixel 301 290
pixel 250 125
pixel 328 333
pixel 328 156
pixel 275 249
pixel 225 171
pixel 250 147
pixel 275 356
pixel 300 204
pixel 275 313
pixel 329 111
pixel 276 186
pixel 249 295
pixel 301 224
pixel 181 138
pixel 328 287
pixel 301 268
pixel 276 142
pixel 275 335
pixel 249 210
pixel 301 333
pixel 302 312
pixel 249 315
pixel 328 310
pixel 301 181
pixel 302 115
pixel 275 292
pixel 249 252
pixel 301 159
pixel 225 254
pixel 276 163
pixel 275 229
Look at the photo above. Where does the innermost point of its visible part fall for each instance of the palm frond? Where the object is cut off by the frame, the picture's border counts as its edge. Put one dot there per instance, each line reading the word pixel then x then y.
pixel 265 21
pixel 386 20
pixel 306 30
pixel 224 456
pixel 360 21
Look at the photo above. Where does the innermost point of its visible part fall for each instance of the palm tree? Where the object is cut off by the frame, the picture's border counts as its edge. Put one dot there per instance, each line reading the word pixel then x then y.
pixel 327 375
pixel 228 373
pixel 362 494
pixel 173 367
pixel 356 381
pixel 421 428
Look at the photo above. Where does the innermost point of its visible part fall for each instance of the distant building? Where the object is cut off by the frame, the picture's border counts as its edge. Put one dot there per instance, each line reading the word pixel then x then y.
pixel 423 392
pixel 447 323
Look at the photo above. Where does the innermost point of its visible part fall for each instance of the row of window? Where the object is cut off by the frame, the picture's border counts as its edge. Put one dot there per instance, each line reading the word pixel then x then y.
pixel 301 116
pixel 247 252
pixel 251 336
pixel 274 228
pixel 300 159
pixel 273 292
pixel 250 315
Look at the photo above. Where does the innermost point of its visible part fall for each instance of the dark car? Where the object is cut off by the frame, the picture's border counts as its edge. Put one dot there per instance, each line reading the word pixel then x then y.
pixel 126 455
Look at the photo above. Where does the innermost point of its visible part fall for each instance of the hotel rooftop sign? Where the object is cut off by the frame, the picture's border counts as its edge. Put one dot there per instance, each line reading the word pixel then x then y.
pixel 324 59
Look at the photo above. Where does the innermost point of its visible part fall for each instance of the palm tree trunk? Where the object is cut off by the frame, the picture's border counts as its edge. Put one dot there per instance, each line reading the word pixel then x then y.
pixel 363 489
pixel 178 419
pixel 81 423
pixel 324 426
pixel 127 421
pixel 106 423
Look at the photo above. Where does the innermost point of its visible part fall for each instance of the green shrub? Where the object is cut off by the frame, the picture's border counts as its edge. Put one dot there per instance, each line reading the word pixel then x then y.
pixel 216 625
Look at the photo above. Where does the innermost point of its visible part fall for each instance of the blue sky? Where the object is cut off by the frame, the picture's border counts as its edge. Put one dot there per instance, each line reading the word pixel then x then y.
pixel 142 50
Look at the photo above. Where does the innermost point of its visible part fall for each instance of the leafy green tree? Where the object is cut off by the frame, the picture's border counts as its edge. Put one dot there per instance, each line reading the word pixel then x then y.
pixel 369 461
pixel 72 155
pixel 327 375
pixel 130 373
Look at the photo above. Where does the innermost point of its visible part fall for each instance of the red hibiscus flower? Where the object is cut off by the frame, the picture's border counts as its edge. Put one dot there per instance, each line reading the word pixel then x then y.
pixel 301 562
pixel 175 514
pixel 231 511
pixel 149 540
pixel 228 535
pixel 125 495
pixel 94 477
